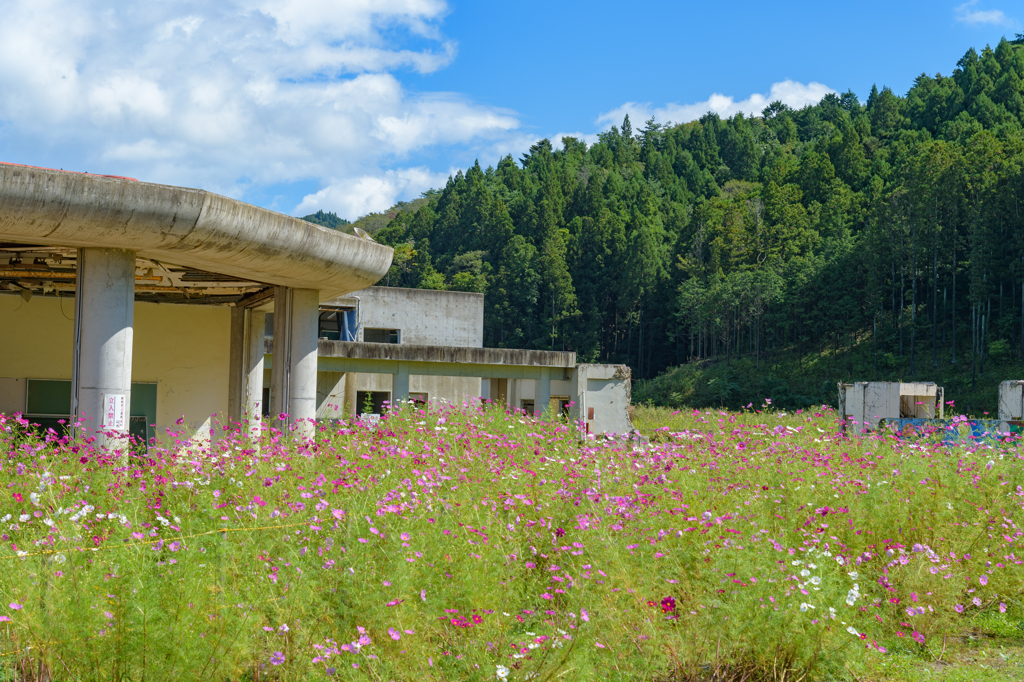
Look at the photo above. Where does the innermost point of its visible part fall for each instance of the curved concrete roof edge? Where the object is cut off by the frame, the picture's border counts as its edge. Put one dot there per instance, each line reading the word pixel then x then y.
pixel 184 226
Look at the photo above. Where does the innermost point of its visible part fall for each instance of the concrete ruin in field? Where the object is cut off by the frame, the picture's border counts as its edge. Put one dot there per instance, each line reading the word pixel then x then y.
pixel 863 405
pixel 132 307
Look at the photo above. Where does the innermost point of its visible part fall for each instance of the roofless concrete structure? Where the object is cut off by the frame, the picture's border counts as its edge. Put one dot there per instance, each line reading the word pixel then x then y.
pixel 112 242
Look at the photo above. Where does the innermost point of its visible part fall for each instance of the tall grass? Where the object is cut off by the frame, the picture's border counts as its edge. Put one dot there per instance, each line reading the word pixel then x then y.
pixel 467 543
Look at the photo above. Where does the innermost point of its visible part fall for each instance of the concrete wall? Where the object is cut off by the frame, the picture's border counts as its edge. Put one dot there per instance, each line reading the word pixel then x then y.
pixel 865 403
pixel 425 317
pixel 600 396
pixel 181 348
pixel 1011 400
pixel 605 393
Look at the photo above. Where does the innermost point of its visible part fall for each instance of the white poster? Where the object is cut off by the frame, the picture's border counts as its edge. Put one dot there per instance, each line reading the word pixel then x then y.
pixel 115 415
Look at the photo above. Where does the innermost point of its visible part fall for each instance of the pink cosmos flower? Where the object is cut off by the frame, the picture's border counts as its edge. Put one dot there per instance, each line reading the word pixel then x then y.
pixel 395 635
pixel 983 580
pixel 16 606
pixel 584 616
pixel 277 658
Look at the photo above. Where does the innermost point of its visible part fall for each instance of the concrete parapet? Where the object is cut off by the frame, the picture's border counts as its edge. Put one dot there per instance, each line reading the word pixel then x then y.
pixel 189 227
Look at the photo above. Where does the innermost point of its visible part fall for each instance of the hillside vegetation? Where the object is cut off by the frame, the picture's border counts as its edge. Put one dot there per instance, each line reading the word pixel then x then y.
pixel 823 242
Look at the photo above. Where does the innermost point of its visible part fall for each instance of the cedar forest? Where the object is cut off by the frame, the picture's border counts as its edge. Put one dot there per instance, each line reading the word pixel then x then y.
pixel 844 240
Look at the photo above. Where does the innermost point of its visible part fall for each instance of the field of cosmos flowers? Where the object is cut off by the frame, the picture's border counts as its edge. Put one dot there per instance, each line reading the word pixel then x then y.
pixel 467 543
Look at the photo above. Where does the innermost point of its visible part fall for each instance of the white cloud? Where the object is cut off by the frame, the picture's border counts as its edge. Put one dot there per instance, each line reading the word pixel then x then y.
pixel 234 94
pixel 354 197
pixel 967 14
pixel 792 93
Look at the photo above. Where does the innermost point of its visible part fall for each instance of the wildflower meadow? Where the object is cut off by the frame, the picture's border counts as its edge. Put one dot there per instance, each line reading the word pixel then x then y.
pixel 471 543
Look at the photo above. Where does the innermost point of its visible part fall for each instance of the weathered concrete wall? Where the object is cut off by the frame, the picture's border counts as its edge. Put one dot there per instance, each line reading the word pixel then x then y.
pixel 182 348
pixel 184 226
pixel 605 393
pixel 425 317
pixel 1011 400
pixel 862 405
pixel 451 354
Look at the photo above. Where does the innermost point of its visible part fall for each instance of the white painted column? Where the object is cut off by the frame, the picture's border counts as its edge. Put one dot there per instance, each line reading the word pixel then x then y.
pixel 102 358
pixel 293 370
pixel 255 347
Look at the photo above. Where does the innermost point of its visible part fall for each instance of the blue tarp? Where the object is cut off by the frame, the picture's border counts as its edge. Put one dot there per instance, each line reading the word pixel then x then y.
pixel 956 431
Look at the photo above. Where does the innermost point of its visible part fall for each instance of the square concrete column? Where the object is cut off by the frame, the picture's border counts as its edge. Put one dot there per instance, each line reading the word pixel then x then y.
pixel 245 375
pixel 254 352
pixel 101 382
pixel 293 370
pixel 400 384
pixel 542 396
pixel 236 363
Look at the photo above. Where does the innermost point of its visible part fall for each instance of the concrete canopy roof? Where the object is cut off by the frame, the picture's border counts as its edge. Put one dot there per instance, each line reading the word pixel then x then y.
pixel 185 226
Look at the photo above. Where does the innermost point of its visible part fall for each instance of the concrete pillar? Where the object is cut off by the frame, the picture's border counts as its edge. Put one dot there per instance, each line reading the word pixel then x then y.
pixel 236 360
pixel 578 381
pixel 542 396
pixel 245 375
pixel 400 384
pixel 101 384
pixel 293 371
pixel 350 394
pixel 252 399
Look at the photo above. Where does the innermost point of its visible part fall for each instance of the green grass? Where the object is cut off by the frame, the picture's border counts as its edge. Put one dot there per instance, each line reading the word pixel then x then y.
pixel 463 544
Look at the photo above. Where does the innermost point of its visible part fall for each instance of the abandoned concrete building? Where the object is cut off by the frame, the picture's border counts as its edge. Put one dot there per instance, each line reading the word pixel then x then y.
pixel 134 306
pixel 864 404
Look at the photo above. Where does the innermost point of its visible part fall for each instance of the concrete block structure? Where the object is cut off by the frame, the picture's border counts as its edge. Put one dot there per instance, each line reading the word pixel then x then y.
pixel 1011 400
pixel 131 304
pixel 134 308
pixel 392 315
pixel 864 404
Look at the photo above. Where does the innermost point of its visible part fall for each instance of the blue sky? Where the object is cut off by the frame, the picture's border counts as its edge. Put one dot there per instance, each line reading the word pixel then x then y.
pixel 350 105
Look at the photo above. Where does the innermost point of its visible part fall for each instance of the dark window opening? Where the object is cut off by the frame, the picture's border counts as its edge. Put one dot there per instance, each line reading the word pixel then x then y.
pixel 371 335
pixel 371 402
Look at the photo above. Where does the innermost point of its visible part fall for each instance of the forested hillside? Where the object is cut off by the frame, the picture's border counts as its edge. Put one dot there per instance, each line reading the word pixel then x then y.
pixel 880 238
